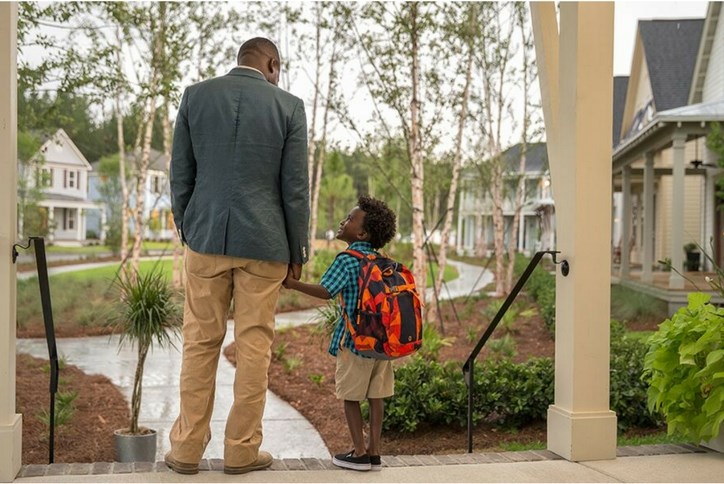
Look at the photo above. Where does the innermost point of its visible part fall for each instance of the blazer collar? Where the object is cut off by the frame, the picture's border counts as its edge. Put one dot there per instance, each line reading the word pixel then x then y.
pixel 240 71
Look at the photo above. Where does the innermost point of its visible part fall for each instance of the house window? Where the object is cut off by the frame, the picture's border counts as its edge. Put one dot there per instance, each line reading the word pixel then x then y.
pixel 157 185
pixel 47 177
pixel 68 219
pixel 71 179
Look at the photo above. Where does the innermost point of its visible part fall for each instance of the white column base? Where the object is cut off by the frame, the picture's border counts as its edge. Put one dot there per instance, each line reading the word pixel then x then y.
pixel 676 281
pixel 579 436
pixel 11 443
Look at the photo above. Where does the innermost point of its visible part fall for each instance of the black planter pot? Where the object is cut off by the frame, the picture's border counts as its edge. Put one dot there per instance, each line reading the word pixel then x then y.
pixel 692 261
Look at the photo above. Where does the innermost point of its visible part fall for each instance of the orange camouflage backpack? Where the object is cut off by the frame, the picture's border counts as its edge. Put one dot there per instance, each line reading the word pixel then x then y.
pixel 388 317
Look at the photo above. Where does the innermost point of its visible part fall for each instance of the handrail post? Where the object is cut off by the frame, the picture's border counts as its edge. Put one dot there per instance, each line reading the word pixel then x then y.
pixel 44 286
pixel 470 362
pixel 470 382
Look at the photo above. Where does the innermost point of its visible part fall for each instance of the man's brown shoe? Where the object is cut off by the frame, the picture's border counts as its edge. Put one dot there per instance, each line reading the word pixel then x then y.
pixel 263 460
pixel 180 467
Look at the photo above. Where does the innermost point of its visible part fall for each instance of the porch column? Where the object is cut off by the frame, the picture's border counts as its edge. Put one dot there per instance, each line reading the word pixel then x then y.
pixel 647 263
pixel 676 281
pixel 80 226
pixel 51 224
pixel 459 234
pixel 576 79
pixel 626 211
pixel 10 422
pixel 104 225
pixel 521 233
pixel 709 215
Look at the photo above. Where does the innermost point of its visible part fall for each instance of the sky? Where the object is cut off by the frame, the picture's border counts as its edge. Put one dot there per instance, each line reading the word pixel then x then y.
pixel 626 17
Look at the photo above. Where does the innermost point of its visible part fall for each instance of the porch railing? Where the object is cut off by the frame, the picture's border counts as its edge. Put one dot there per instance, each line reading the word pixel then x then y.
pixel 469 366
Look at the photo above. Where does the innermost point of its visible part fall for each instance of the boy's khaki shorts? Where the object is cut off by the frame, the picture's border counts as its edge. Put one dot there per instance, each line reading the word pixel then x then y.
pixel 358 378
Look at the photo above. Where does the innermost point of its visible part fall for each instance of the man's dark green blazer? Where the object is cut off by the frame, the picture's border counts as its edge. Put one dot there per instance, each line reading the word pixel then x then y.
pixel 239 179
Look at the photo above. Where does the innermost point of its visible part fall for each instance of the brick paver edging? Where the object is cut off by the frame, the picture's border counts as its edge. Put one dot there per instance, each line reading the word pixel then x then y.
pixel 97 468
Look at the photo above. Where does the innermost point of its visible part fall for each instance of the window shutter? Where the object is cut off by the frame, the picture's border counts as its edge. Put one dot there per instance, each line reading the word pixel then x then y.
pixel 65 178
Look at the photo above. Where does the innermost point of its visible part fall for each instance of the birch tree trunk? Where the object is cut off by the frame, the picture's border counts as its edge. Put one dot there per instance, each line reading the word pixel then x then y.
pixel 457 165
pixel 125 193
pixel 526 43
pixel 319 169
pixel 141 178
pixel 417 169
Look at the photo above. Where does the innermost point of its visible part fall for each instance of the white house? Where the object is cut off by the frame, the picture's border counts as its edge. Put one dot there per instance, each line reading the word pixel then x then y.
pixel 536 230
pixel 62 171
pixel 157 212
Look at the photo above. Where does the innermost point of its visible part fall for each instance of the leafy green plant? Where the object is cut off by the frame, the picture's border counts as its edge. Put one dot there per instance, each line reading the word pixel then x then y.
pixel 472 334
pixel 327 318
pixel 685 369
pixel 280 350
pixel 147 315
pixel 510 316
pixel 502 347
pixel 316 378
pixel 291 364
pixel 628 304
pixel 64 409
pixel 432 342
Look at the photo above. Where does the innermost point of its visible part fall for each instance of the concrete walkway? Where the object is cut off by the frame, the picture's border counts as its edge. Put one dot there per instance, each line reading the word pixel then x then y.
pixel 287 434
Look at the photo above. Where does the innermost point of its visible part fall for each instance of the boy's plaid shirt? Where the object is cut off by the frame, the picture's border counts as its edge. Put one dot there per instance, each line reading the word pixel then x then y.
pixel 341 278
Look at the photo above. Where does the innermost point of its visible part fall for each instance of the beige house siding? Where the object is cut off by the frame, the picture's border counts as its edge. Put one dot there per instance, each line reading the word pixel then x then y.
pixel 693 202
pixel 714 81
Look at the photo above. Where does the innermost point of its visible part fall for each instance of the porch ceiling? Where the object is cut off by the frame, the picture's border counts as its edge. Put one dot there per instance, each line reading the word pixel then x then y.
pixel 658 134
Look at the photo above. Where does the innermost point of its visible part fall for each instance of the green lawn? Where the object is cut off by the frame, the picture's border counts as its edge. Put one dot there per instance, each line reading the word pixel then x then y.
pixel 108 273
pixel 100 249
pixel 657 438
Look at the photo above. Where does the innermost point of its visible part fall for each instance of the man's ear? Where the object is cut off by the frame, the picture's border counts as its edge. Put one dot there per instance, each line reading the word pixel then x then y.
pixel 364 236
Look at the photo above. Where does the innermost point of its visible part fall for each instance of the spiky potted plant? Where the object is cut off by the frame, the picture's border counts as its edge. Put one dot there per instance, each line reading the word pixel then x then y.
pixel 147 317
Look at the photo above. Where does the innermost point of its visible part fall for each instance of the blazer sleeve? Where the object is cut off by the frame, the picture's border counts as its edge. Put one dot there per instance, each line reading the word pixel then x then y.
pixel 183 166
pixel 295 186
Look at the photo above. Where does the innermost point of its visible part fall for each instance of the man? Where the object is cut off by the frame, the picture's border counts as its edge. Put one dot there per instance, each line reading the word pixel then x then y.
pixel 240 196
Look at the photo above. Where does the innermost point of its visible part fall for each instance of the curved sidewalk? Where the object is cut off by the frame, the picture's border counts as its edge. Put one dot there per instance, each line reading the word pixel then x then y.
pixel 287 434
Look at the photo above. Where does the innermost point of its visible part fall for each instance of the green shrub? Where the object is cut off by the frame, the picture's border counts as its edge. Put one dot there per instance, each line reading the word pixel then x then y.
pixel 628 304
pixel 64 409
pixel 628 389
pixel 542 287
pixel 685 369
pixel 509 394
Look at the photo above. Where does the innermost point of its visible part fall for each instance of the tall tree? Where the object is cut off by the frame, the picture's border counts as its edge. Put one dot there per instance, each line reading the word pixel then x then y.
pixel 528 73
pixel 494 63
pixel 334 26
pixel 397 38
pixel 468 36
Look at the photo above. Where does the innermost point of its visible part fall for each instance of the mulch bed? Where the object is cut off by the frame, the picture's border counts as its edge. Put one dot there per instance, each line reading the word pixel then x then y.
pixel 309 387
pixel 100 408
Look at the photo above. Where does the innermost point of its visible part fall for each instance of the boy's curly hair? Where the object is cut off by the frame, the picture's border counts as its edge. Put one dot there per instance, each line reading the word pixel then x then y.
pixel 380 221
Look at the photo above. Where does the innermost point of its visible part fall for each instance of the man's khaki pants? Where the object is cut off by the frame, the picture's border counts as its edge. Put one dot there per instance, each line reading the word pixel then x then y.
pixel 211 282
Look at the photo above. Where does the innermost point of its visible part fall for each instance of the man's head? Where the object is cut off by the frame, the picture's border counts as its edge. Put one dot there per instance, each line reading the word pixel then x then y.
pixel 371 220
pixel 262 54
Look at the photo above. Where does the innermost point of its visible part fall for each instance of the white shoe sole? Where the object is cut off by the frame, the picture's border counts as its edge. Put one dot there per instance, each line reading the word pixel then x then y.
pixel 351 465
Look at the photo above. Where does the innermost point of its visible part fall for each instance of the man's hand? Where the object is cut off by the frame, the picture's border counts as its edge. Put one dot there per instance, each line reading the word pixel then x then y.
pixel 295 271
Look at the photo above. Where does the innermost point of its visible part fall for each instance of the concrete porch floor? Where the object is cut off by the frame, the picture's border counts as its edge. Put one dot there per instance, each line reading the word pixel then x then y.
pixel 687 467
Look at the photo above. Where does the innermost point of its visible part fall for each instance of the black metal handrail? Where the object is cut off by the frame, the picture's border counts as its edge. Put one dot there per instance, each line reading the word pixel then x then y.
pixel 469 365
pixel 44 286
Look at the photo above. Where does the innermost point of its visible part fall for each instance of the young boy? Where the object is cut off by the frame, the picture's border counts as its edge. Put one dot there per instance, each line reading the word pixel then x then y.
pixel 369 226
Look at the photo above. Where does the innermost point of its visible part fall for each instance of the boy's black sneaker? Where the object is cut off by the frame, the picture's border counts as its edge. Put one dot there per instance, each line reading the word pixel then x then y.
pixel 350 461
pixel 376 462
